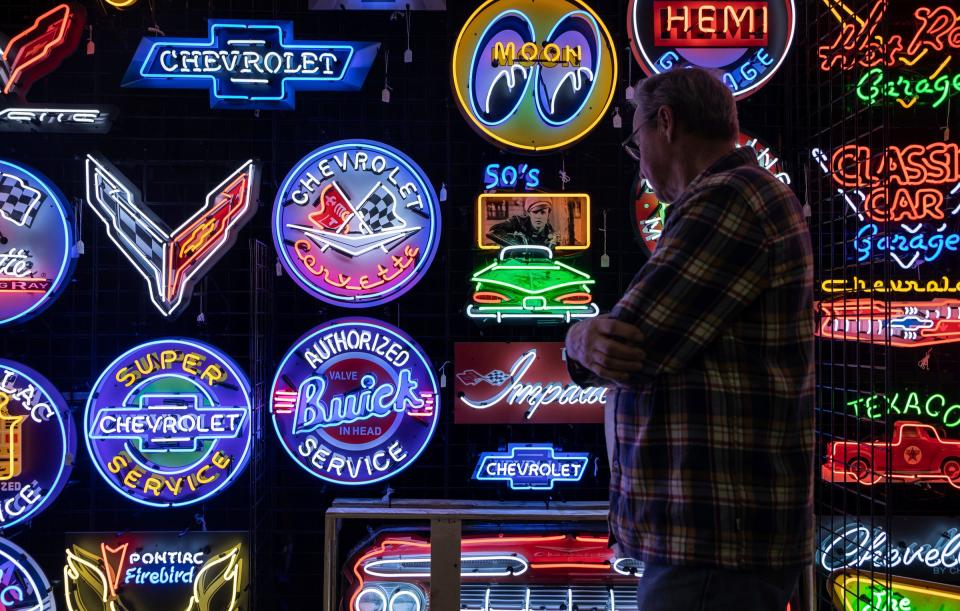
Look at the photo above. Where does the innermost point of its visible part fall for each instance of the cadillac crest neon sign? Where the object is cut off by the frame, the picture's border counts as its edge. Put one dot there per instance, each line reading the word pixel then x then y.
pixel 356 223
pixel 250 64
pixel 37 443
pixel 531 466
pixel 36 242
pixel 355 401
pixel 24 584
pixel 534 75
pixel 746 40
pixel 168 423
pixel 172 261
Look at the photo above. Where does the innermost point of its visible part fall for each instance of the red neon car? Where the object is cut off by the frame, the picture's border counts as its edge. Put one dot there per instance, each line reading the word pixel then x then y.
pixel 517 572
pixel 917 452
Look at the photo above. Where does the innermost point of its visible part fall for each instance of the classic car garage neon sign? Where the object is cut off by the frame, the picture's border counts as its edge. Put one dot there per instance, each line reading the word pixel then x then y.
pixel 36 242
pixel 37 443
pixel 168 423
pixel 24 585
pixel 356 223
pixel 355 401
pixel 534 75
pixel 250 64
pixel 744 39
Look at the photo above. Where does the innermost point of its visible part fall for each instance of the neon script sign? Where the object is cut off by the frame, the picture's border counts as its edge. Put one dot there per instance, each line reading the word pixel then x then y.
pixel 172 261
pixel 356 223
pixel 37 444
pixel 355 401
pixel 497 176
pixel 168 423
pixel 905 324
pixel 936 408
pixel 195 570
pixel 531 467
pixel 36 242
pixel 522 382
pixel 861 546
pixel 23 585
pixel 250 64
pixel 534 75
pixel 746 40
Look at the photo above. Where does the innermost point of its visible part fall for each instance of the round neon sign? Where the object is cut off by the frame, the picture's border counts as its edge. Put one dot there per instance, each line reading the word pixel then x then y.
pixel 168 422
pixel 24 584
pixel 356 223
pixel 355 401
pixel 534 75
pixel 746 40
pixel 38 443
pixel 36 235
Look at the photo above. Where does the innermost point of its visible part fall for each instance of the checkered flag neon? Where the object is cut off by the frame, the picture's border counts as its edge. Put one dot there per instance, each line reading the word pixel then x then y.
pixel 18 201
pixel 472 377
pixel 378 210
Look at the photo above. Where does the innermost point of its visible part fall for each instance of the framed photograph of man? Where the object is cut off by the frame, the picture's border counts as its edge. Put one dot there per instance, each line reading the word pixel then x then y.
pixel 558 220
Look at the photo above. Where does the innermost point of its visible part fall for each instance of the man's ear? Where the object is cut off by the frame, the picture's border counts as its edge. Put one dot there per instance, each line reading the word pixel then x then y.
pixel 666 123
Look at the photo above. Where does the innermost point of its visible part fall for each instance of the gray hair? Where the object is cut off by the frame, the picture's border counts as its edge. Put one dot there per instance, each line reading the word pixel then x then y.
pixel 700 102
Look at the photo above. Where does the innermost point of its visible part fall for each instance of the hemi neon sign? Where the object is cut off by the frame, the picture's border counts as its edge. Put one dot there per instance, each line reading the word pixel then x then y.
pixel 679 23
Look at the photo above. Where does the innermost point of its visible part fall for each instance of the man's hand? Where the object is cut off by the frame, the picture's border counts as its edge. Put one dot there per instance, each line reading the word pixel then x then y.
pixel 609 348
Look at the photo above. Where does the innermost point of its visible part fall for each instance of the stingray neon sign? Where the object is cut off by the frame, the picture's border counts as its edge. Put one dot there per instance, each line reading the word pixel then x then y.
pixel 531 466
pixel 859 44
pixel 250 64
pixel 534 75
pixel 746 40
pixel 905 324
pixel 34 53
pixel 168 423
pixel 172 261
pixel 197 571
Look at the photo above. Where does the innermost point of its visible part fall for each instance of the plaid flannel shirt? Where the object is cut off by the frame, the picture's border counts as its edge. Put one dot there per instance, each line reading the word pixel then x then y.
pixel 713 459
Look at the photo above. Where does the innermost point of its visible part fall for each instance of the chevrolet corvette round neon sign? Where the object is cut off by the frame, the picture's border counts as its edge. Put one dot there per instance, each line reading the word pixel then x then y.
pixel 534 75
pixel 355 401
pixel 168 422
pixel 37 443
pixel 36 238
pixel 356 223
pixel 746 40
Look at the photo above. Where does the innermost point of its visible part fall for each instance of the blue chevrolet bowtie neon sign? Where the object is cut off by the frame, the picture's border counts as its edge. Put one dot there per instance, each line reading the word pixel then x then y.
pixel 531 467
pixel 250 64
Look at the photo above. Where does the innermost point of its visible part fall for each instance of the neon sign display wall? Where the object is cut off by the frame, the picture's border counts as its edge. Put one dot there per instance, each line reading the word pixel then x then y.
pixel 168 423
pixel 36 242
pixel 356 223
pixel 355 401
pixel 914 186
pixel 193 570
pixel 24 585
pixel 520 382
pixel 928 53
pixel 907 324
pixel 38 443
pixel 525 283
pixel 534 75
pixel 746 40
pixel 250 64
pixel 172 261
pixel 531 466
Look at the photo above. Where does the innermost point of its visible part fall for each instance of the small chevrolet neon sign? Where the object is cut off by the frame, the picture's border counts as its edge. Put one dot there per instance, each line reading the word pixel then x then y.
pixel 531 467
pixel 250 64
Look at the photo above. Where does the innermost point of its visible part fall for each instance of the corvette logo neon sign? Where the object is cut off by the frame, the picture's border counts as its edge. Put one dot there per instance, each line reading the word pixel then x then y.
pixel 171 261
pixel 250 64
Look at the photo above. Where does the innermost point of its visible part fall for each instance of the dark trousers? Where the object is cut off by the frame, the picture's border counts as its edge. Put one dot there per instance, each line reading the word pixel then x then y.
pixel 680 588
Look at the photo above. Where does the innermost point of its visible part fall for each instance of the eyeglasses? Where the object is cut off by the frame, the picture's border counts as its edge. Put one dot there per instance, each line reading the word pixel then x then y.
pixel 630 147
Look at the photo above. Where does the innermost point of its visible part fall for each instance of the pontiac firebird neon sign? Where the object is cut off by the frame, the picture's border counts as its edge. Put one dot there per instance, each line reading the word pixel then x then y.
pixel 171 261
pixel 250 64
pixel 905 324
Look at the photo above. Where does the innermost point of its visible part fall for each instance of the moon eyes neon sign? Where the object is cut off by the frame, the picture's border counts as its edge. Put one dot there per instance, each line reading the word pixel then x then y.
pixel 356 223
pixel 37 443
pixel 168 422
pixel 534 75
pixel 355 401
pixel 745 39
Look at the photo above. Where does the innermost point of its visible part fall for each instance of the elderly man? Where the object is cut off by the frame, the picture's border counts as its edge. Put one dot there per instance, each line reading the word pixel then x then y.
pixel 710 352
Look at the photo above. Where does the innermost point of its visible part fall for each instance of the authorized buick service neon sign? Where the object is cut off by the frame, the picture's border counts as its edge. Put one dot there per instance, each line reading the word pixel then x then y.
pixel 250 64
pixel 168 422
pixel 355 401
